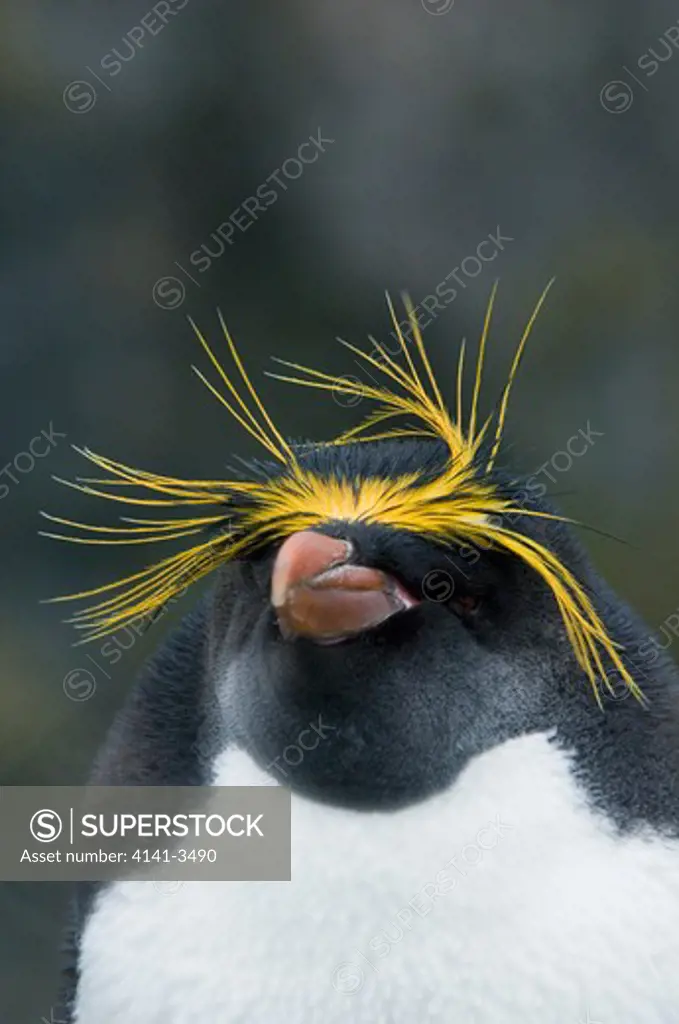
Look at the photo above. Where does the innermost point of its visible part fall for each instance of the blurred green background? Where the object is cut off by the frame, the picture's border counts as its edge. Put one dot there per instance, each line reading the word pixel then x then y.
pixel 449 121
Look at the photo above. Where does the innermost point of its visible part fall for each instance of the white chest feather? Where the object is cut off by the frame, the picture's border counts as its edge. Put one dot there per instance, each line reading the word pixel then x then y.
pixel 503 900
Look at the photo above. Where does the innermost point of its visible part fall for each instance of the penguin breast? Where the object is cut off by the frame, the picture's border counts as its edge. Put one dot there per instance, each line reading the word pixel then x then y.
pixel 504 898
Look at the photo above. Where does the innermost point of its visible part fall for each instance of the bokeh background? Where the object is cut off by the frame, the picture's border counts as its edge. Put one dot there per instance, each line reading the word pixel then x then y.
pixel 554 123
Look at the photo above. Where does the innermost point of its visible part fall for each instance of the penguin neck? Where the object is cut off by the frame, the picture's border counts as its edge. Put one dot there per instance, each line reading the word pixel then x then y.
pixel 626 751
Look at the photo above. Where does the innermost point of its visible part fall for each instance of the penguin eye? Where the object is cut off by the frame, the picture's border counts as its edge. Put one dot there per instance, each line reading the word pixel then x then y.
pixel 466 605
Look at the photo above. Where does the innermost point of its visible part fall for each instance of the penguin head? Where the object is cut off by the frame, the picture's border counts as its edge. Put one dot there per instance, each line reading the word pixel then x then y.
pixel 365 664
pixel 387 604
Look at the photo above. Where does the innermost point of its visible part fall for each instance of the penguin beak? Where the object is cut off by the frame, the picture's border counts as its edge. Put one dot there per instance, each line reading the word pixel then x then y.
pixel 318 593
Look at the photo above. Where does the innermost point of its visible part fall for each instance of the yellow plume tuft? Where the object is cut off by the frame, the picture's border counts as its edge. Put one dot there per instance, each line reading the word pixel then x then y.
pixel 461 503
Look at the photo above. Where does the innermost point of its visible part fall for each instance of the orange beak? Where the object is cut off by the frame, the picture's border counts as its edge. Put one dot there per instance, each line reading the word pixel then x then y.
pixel 319 594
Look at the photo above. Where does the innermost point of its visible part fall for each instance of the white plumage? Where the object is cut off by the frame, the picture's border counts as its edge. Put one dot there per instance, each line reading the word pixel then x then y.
pixel 505 900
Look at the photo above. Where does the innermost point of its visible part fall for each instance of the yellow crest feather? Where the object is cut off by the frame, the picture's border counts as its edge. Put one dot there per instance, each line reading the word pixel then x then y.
pixel 461 503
